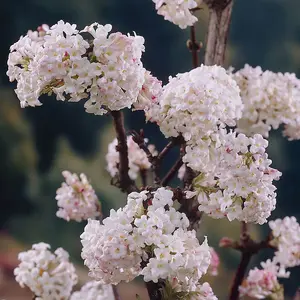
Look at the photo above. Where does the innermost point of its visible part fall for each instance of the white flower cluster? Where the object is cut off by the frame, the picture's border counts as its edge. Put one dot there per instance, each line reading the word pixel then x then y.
pixel 76 198
pixel 262 283
pixel 195 103
pixel 270 99
pixel 147 237
pixel 49 276
pixel 286 234
pixel 137 158
pixel 236 178
pixel 106 70
pixel 177 11
pixel 93 290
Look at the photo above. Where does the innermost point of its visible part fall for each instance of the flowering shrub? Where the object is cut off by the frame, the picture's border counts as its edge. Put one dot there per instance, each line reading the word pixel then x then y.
pixel 219 119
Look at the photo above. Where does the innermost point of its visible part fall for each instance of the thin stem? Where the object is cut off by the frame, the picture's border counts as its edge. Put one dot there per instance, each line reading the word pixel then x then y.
pixel 247 253
pixel 239 275
pixel 155 160
pixel 194 47
pixel 166 150
pixel 172 172
pixel 244 230
pixel 125 183
pixel 140 140
pixel 116 293
pixel 143 174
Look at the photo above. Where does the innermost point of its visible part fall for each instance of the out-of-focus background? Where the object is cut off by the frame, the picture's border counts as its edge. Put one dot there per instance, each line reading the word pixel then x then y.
pixel 36 144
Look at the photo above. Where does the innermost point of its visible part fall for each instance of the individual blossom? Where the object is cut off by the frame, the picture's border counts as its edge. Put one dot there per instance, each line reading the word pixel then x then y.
pixel 93 290
pixel 262 283
pixel 286 238
pixel 178 11
pixel 50 276
pixel 106 69
pixel 270 100
pixel 204 292
pixel 236 180
pixel 147 237
pixel 137 157
pixel 181 172
pixel 76 198
pixel 193 104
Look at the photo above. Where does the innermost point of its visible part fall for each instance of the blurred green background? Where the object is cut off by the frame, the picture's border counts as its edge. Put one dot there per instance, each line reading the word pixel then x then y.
pixel 37 144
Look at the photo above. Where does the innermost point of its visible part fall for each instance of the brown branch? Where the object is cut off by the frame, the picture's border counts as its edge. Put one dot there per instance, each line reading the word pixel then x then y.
pixel 239 275
pixel 140 140
pixel 248 248
pixel 143 174
pixel 116 293
pixel 172 172
pixel 245 260
pixel 155 160
pixel 218 30
pixel 194 47
pixel 166 150
pixel 124 183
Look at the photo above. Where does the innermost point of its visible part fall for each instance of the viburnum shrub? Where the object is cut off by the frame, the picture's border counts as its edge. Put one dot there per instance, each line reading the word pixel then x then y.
pixel 220 119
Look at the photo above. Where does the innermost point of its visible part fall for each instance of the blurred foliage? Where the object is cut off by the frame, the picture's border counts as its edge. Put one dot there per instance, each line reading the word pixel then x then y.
pixel 37 144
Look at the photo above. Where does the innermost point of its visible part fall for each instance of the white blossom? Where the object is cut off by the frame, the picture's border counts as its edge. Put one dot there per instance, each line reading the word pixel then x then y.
pixel 76 198
pixel 262 283
pixel 195 103
pixel 236 179
pixel 93 290
pixel 286 237
pixel 270 99
pixel 137 158
pixel 196 292
pixel 204 292
pixel 177 11
pixel 149 230
pixel 181 172
pixel 106 70
pixel 50 276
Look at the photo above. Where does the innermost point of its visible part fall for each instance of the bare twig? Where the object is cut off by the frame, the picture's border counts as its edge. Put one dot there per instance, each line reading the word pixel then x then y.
pixel 194 47
pixel 248 248
pixel 116 293
pixel 125 183
pixel 155 160
pixel 242 268
pixel 218 30
pixel 239 275
pixel 172 172
pixel 140 140
pixel 166 150
pixel 143 174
